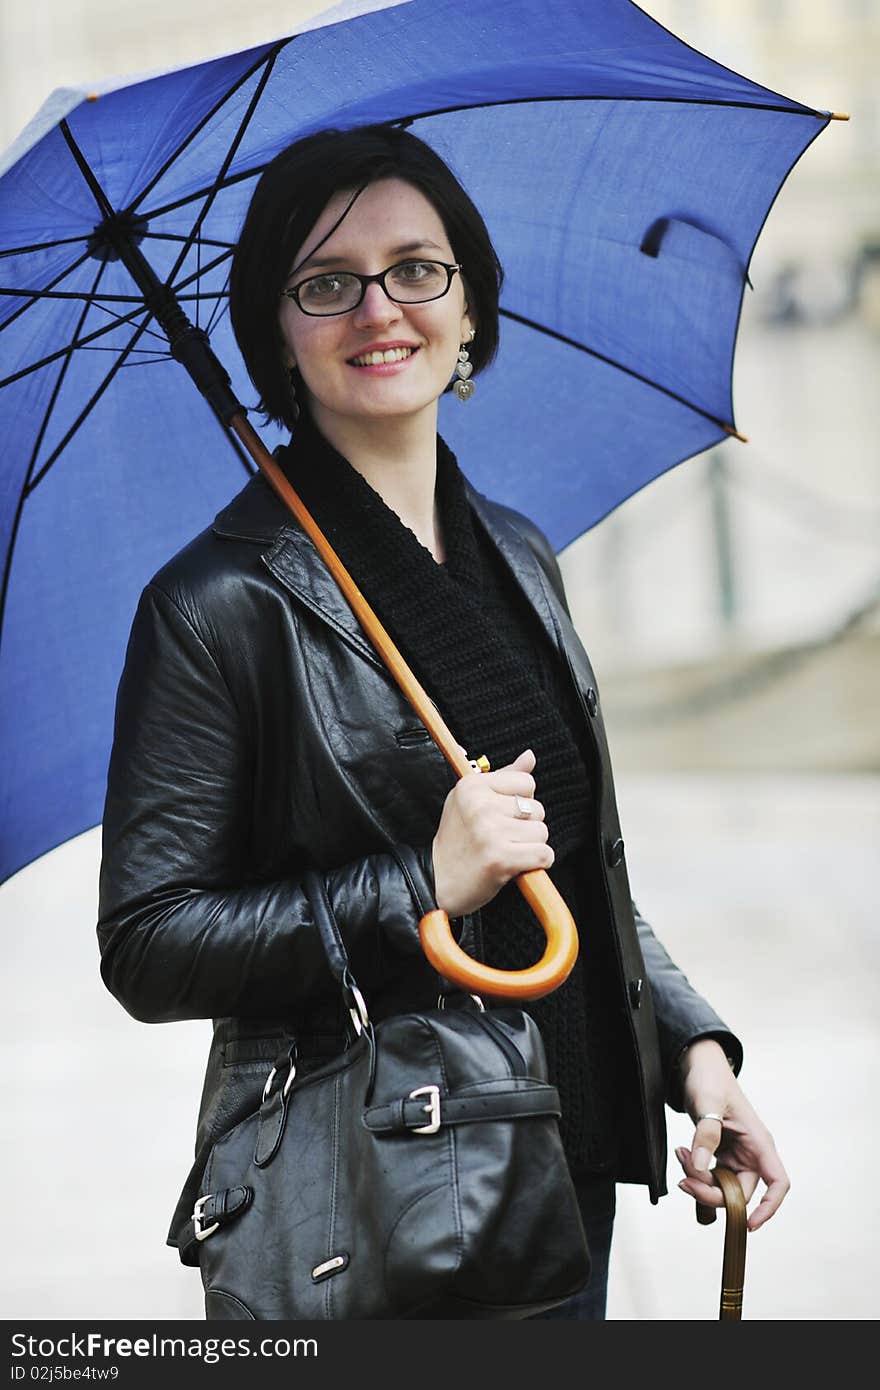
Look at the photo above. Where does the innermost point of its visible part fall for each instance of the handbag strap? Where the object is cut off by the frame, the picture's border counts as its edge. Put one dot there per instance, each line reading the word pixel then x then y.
pixel 330 936
pixel 407 1115
pixel 315 885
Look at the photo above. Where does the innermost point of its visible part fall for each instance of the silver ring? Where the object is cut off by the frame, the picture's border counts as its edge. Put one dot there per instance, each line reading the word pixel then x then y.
pixel 709 1116
pixel 523 808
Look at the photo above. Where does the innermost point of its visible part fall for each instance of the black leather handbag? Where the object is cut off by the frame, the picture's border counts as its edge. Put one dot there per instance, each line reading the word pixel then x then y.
pixel 419 1174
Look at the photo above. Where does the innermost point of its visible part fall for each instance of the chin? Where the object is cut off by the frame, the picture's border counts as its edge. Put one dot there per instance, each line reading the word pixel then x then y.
pixel 383 405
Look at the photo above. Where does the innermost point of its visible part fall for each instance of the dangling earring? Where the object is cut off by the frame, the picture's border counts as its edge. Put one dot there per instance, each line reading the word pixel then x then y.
pixel 463 387
pixel 293 406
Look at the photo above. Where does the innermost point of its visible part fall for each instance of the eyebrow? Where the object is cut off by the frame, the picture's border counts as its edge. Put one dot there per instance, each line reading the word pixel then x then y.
pixel 406 250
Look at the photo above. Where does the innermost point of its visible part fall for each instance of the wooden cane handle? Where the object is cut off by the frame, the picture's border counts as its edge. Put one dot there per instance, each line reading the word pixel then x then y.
pixel 439 945
pixel 733 1271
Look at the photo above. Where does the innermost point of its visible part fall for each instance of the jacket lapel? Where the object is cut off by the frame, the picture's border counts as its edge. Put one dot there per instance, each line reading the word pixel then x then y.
pixel 520 559
pixel 257 514
pixel 538 589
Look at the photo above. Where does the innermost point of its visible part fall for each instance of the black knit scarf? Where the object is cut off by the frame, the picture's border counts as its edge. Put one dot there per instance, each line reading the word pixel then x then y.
pixel 478 648
pixel 445 621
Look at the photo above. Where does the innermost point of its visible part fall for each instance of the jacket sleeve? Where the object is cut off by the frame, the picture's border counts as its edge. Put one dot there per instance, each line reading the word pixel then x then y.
pixel 182 932
pixel 682 1015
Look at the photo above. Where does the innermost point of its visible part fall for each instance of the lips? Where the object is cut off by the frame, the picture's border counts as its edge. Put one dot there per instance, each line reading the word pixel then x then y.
pixel 378 357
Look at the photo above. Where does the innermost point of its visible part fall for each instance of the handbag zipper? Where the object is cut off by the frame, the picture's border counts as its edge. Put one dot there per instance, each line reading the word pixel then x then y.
pixel 514 1057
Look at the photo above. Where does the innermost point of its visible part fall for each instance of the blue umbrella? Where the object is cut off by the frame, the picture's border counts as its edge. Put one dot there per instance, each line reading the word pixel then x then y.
pixel 624 178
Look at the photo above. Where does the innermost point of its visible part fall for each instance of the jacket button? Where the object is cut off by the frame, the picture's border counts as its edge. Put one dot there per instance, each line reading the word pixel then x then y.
pixel 614 854
pixel 592 702
pixel 635 993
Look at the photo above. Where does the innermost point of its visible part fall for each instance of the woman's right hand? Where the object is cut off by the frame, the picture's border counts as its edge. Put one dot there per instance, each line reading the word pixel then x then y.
pixel 481 843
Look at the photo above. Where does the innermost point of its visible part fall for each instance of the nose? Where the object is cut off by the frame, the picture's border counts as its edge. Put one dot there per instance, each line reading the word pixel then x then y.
pixel 376 308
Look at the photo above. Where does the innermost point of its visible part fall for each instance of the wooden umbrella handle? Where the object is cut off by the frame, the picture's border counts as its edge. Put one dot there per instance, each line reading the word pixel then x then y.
pixel 733 1271
pixel 438 943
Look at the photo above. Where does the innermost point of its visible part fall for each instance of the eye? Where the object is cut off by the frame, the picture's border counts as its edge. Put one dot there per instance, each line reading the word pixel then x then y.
pixel 418 272
pixel 323 287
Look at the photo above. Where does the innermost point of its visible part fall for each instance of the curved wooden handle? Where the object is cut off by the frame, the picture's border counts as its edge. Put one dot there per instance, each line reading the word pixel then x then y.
pixel 733 1271
pixel 539 892
pixel 547 974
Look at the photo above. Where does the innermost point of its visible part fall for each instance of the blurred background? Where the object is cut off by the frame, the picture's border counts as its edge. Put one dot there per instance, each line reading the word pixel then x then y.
pixel 731 612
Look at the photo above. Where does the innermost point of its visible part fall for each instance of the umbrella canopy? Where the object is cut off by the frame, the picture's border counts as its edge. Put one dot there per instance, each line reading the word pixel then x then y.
pixel 624 178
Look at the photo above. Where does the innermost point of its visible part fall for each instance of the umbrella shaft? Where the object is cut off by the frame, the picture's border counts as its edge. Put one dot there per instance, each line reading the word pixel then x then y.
pixel 189 345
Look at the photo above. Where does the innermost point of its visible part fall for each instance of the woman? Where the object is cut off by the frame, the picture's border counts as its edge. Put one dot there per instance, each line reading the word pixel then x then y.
pixel 258 734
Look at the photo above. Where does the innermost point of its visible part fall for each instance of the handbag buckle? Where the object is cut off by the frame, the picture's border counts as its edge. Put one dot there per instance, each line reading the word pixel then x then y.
pixel 432 1109
pixel 202 1232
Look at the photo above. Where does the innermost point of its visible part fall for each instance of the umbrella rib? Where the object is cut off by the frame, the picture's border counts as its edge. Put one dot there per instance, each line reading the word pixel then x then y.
pixel 630 371
pixel 150 361
pixel 120 318
pixel 172 159
pixel 28 489
pixel 99 332
pixel 219 307
pixel 51 285
pixel 86 410
pixel 59 382
pixel 177 236
pixel 53 356
pixel 668 101
pixel 181 202
pixel 152 352
pixel 74 240
pixel 39 246
pixel 88 295
pixel 105 207
pixel 227 160
pixel 104 298
pixel 198 272
pixel 256 169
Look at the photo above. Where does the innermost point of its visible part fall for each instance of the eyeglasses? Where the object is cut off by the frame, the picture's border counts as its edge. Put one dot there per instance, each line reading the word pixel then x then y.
pixel 340 291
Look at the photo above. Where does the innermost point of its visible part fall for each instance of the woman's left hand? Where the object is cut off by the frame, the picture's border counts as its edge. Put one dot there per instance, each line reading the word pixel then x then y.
pixel 741 1143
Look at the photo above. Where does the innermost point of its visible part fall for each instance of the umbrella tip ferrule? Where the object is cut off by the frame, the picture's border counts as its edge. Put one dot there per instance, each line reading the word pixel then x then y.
pixel 92 96
pixel 840 115
pixel 735 434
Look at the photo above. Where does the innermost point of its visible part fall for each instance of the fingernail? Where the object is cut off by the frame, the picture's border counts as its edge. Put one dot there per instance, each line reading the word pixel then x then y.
pixel 701 1158
pixel 683 1185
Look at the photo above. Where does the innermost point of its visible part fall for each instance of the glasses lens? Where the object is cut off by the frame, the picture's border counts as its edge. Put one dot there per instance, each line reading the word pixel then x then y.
pixel 329 294
pixel 412 282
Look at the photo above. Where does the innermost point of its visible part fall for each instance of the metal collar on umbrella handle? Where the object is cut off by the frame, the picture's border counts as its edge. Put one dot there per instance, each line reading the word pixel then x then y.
pixel 435 933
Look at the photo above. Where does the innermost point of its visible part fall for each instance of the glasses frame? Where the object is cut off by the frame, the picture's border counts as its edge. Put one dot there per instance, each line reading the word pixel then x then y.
pixel 293 291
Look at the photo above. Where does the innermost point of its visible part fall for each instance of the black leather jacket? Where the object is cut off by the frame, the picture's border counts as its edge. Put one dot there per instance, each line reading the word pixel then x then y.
pixel 258 733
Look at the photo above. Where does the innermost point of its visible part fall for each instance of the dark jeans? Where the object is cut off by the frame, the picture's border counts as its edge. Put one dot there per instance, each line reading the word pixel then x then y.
pixel 596 1199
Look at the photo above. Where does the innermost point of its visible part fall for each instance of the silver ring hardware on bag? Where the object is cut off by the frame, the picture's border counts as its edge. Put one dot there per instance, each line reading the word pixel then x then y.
pixel 441 1002
pixel 432 1109
pixel 359 1016
pixel 202 1232
pixel 287 1085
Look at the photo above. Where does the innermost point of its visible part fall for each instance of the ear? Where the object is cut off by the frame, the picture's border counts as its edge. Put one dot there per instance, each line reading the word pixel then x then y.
pixel 468 327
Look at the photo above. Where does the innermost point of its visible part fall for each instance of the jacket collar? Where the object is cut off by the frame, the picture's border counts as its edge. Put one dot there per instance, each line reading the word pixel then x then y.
pixel 257 514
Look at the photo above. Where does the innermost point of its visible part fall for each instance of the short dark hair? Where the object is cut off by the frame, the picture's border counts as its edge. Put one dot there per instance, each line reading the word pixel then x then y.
pixel 293 191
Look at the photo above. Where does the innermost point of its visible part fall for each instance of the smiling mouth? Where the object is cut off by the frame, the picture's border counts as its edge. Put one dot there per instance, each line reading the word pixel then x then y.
pixel 378 359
